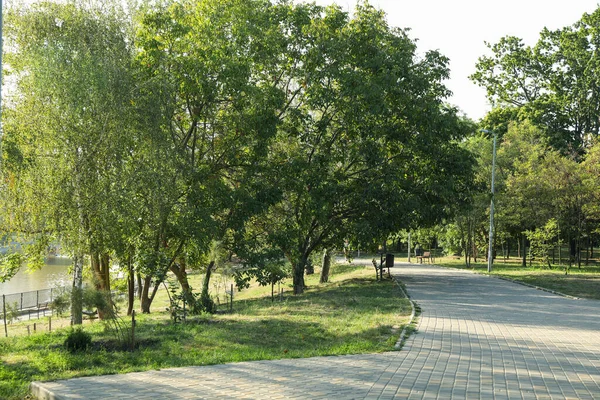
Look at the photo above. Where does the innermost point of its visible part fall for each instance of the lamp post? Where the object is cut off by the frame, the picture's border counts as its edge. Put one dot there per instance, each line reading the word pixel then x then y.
pixel 490 249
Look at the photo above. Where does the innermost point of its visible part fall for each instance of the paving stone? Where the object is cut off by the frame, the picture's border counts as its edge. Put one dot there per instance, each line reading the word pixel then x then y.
pixel 478 337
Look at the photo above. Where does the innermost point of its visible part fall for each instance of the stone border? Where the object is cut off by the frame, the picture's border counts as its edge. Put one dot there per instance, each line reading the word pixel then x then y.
pixel 403 334
pixel 39 391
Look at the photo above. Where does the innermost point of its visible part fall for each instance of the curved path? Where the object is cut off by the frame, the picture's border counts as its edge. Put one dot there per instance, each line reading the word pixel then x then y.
pixel 478 337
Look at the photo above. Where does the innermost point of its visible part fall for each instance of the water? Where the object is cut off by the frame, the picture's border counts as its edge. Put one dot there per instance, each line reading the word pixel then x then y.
pixel 53 274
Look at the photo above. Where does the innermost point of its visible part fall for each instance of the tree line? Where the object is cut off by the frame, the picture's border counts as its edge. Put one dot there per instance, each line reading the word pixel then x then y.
pixel 167 136
pixel 546 106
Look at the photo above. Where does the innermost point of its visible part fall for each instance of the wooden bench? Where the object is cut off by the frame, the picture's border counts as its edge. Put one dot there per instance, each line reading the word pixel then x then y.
pixel 386 262
pixel 378 269
pixel 426 255
pixel 90 314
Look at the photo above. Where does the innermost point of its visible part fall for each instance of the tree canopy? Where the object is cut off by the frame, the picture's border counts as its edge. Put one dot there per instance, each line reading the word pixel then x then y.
pixel 553 83
pixel 148 137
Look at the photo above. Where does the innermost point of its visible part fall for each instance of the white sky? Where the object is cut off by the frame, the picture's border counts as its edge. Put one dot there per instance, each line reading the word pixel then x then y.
pixel 458 29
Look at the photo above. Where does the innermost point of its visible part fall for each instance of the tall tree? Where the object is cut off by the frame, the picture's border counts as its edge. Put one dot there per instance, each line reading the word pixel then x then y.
pixel 67 127
pixel 555 82
pixel 212 67
pixel 366 144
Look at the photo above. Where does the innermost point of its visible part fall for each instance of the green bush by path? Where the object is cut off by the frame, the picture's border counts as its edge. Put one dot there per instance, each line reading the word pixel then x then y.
pixel 351 314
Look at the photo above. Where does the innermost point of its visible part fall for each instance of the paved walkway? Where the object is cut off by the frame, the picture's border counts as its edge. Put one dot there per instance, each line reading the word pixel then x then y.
pixel 478 337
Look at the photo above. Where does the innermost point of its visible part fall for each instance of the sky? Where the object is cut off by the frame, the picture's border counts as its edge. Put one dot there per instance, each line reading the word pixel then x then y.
pixel 459 28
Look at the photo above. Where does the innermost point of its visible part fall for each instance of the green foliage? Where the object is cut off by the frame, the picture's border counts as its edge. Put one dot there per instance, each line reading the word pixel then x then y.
pixel 98 299
pixel 10 264
pixel 182 304
pixel 543 240
pixel 207 303
pixel 61 303
pixel 552 83
pixel 274 129
pixel 364 131
pixel 12 312
pixel 78 340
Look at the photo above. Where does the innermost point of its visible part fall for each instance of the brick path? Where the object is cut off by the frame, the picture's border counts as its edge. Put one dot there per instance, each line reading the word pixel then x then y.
pixel 478 337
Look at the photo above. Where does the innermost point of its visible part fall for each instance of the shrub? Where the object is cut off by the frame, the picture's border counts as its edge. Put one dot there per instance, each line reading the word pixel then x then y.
pixel 12 312
pixel 61 303
pixel 78 340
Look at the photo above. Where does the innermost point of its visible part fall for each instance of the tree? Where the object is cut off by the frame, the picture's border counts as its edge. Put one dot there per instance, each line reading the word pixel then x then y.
pixel 366 144
pixel 520 155
pixel 67 128
pixel 467 231
pixel 542 241
pixel 554 83
pixel 539 185
pixel 211 68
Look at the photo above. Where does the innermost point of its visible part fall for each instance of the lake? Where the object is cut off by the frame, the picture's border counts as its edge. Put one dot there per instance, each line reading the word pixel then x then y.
pixel 53 274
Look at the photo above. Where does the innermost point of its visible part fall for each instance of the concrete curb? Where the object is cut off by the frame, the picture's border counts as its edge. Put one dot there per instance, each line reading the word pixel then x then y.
pixel 403 334
pixel 38 391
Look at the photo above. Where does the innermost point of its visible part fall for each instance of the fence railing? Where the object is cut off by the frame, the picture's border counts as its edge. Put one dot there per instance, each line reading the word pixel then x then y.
pixel 33 303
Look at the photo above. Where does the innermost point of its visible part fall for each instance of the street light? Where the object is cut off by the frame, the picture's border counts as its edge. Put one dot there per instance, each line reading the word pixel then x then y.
pixel 490 252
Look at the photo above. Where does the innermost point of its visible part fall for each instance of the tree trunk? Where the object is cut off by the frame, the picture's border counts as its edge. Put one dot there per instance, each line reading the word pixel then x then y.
pixel 130 287
pixel 579 239
pixel 523 249
pixel 325 266
pixel 178 269
pixel 140 286
pixel 205 299
pixel 310 268
pixel 207 275
pixel 473 246
pixel 77 292
pixel 299 275
pixel 145 298
pixel 587 253
pixel 101 270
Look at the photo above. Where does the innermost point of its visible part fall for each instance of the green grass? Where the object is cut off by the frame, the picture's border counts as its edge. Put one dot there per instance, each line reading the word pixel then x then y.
pixel 584 282
pixel 352 314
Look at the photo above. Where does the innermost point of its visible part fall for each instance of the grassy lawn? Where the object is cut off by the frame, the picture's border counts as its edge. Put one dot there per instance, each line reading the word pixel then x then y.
pixel 584 282
pixel 351 314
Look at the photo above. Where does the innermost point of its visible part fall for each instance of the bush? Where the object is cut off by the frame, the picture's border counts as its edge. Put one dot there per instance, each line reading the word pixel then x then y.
pixel 12 312
pixel 61 303
pixel 78 340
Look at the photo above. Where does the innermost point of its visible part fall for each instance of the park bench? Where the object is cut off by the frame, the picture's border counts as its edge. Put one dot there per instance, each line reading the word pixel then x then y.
pixel 90 314
pixel 386 262
pixel 426 255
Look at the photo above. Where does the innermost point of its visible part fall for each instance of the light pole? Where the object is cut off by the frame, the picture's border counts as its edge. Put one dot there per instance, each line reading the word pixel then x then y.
pixel 490 249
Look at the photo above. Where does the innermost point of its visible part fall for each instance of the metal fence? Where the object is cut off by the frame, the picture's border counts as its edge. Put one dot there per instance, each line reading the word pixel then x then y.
pixel 31 304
